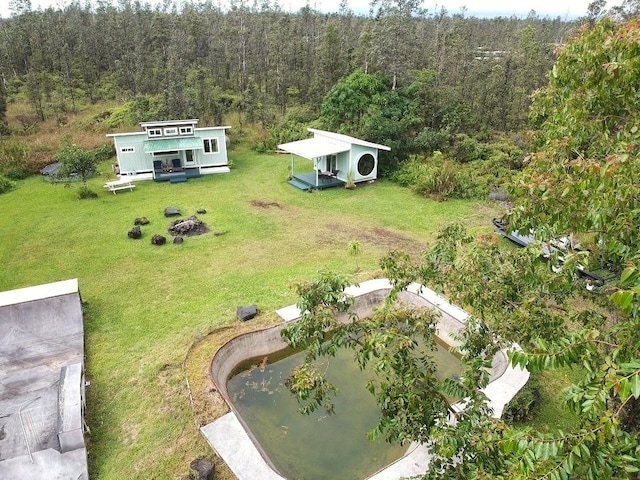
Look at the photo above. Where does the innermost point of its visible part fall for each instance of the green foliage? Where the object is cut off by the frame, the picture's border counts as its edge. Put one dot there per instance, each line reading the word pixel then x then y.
pixel 467 149
pixel 587 145
pixel 523 405
pixel 141 109
pixel 104 152
pixel 5 184
pixel 430 140
pixel 434 177
pixel 292 127
pixel 347 103
pixel 364 106
pixel 395 342
pixel 80 163
pixel 354 247
pixel 13 160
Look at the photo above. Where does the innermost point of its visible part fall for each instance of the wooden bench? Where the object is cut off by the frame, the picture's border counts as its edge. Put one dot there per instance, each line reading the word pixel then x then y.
pixel 121 184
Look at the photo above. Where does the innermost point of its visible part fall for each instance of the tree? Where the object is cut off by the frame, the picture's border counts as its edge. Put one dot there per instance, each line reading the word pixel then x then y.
pixel 76 161
pixel 363 105
pixel 587 140
pixel 582 180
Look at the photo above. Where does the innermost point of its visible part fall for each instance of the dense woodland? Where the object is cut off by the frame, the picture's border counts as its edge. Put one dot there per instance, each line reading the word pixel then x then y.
pixel 202 57
pixel 427 76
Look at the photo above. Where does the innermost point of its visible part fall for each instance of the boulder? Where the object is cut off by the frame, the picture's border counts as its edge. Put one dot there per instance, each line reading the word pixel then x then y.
pixel 202 469
pixel 178 240
pixel 135 233
pixel 141 221
pixel 158 240
pixel 172 212
pixel 201 211
pixel 247 313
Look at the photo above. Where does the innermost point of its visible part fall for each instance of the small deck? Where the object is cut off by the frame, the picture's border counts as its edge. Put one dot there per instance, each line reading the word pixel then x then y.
pixel 307 182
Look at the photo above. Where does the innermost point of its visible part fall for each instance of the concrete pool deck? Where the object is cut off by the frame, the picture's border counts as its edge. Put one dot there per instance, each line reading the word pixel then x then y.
pixel 232 442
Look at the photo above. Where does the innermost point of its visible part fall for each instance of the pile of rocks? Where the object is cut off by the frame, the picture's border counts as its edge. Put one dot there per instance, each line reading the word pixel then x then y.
pixel 188 227
pixel 178 228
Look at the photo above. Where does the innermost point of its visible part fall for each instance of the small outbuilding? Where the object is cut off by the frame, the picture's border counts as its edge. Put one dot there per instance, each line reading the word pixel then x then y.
pixel 173 150
pixel 337 160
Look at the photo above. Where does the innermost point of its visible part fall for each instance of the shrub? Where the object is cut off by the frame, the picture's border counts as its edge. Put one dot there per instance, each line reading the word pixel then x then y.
pixel 467 149
pixel 13 160
pixel 292 127
pixel 104 152
pixel 430 140
pixel 85 193
pixel 436 177
pixel 5 185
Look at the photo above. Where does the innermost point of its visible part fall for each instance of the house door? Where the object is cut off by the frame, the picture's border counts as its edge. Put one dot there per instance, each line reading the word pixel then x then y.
pixel 188 158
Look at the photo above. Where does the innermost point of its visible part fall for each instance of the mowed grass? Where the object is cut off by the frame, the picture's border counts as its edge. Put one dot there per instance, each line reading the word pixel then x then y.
pixel 146 305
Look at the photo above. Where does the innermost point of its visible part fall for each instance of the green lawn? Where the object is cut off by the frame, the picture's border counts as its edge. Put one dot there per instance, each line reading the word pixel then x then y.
pixel 145 305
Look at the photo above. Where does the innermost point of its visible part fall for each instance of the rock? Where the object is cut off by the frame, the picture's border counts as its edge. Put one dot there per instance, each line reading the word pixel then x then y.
pixel 201 211
pixel 141 221
pixel 247 313
pixel 172 212
pixel 135 233
pixel 203 469
pixel 178 240
pixel 158 240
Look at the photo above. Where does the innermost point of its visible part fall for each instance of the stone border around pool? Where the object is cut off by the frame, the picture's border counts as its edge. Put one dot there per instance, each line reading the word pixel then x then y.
pixel 232 440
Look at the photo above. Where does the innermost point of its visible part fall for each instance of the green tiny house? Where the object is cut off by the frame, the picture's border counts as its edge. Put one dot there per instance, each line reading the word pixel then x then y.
pixel 173 150
pixel 337 159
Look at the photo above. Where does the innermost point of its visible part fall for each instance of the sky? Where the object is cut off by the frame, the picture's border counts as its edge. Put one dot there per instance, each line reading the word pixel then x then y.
pixel 569 9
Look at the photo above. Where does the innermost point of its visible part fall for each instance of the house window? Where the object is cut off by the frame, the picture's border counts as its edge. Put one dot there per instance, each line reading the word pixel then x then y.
pixel 127 150
pixel 171 131
pixel 210 145
pixel 154 132
pixel 186 130
pixel 366 164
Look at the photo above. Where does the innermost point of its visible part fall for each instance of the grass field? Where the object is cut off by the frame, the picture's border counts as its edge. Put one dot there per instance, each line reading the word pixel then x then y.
pixel 145 306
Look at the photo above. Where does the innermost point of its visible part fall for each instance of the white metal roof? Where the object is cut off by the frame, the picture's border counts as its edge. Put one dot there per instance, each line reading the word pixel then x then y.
pixel 313 148
pixel 346 138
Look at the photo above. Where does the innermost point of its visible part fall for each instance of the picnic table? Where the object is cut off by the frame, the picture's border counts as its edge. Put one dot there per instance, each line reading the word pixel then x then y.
pixel 121 184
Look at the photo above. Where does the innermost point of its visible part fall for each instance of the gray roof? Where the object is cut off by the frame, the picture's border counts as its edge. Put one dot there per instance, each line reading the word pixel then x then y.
pixel 42 383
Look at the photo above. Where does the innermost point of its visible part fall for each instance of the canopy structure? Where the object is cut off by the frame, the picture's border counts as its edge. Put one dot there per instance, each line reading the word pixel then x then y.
pixel 173 144
pixel 311 148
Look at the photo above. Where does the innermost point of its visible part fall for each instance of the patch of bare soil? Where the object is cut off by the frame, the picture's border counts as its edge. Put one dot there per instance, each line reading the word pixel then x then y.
pixel 263 204
pixel 379 237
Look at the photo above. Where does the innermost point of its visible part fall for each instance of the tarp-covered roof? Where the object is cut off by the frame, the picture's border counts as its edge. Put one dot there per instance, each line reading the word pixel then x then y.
pixel 173 144
pixel 41 382
pixel 313 148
